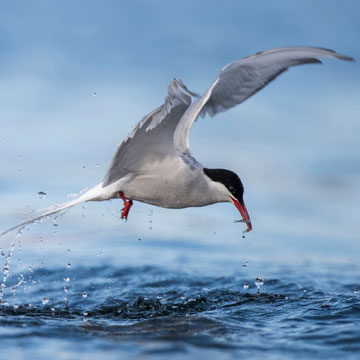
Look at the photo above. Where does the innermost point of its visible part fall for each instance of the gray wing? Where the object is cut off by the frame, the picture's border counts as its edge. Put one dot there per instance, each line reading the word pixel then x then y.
pixel 155 131
pixel 242 78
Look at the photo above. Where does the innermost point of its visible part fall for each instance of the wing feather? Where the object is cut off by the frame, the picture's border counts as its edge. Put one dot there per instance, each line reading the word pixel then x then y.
pixel 244 77
pixel 155 131
pixel 241 79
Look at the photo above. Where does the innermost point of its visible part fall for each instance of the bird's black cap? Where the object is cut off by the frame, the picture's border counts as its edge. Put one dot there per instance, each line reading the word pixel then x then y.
pixel 229 179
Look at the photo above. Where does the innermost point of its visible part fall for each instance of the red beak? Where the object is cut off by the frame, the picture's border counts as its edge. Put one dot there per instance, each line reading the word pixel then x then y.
pixel 243 212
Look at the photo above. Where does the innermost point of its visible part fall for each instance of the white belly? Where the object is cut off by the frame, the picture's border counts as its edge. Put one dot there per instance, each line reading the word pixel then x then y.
pixel 178 189
pixel 169 184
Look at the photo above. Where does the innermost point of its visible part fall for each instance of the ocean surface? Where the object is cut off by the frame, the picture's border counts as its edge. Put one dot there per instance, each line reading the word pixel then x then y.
pixel 122 297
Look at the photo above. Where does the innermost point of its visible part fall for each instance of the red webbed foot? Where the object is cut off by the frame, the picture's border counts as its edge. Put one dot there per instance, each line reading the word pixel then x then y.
pixel 127 206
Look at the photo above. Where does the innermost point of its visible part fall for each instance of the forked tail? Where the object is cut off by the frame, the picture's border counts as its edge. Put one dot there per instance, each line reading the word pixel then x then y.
pixel 91 194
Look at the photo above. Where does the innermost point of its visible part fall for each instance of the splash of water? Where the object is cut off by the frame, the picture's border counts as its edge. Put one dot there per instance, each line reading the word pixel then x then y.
pixel 20 281
pixel 6 268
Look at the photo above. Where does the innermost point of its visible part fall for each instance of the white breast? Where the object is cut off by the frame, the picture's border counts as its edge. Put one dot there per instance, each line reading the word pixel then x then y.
pixel 175 185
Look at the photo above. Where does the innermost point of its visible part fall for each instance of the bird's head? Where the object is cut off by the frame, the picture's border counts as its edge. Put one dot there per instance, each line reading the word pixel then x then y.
pixel 233 190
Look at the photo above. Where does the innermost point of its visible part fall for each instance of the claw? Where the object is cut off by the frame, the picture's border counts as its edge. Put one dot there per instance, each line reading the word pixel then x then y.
pixel 127 205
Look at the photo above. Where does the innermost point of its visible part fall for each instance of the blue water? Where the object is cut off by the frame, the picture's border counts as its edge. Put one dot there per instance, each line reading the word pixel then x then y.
pixel 149 299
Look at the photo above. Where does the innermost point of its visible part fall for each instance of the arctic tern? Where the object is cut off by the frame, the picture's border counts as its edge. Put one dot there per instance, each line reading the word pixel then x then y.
pixel 154 163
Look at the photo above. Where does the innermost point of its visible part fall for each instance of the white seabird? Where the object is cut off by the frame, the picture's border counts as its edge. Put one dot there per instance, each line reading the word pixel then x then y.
pixel 154 163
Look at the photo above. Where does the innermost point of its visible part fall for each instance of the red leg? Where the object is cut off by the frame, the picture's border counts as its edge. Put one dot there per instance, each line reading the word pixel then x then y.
pixel 127 206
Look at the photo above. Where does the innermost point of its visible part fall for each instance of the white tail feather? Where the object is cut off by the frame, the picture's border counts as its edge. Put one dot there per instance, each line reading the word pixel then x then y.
pixel 91 194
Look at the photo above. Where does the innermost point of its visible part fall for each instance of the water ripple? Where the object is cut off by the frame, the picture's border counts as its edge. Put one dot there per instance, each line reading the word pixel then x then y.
pixel 182 312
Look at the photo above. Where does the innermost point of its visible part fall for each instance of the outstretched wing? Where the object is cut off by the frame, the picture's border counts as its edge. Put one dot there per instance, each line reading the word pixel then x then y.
pixel 242 78
pixel 155 131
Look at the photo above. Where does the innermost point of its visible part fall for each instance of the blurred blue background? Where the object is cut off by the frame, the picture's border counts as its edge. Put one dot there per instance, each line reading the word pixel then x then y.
pixel 75 77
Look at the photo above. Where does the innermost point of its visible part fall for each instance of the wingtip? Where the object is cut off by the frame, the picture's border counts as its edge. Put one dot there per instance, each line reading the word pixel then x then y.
pixel 337 55
pixel 177 83
pixel 344 57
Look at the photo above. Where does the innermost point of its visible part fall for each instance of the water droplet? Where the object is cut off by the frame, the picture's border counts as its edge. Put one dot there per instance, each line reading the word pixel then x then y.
pixel 94 93
pixel 356 291
pixel 84 295
pixel 45 300
pixel 21 157
pixel 97 165
pixel 67 279
pixel 68 265
pixel 6 270
pixel 246 286
pixel 30 269
pixel 259 282
pixel 68 250
pixel 84 166
pixel 19 282
pixel 41 194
